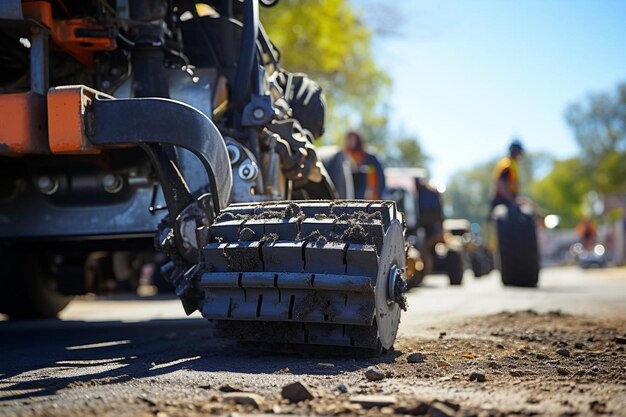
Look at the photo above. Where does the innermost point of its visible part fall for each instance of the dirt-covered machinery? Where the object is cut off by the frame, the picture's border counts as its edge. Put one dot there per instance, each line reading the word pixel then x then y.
pixel 129 119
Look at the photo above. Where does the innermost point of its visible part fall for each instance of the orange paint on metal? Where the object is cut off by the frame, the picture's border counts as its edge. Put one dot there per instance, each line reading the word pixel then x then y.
pixel 23 124
pixel 64 32
pixel 67 110
pixel 40 11
pixel 80 47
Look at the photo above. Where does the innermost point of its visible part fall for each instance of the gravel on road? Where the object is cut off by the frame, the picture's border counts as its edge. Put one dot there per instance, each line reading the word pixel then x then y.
pixel 510 363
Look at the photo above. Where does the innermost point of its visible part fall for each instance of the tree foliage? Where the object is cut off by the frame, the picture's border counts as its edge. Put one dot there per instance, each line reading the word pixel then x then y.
pixel 562 191
pixel 394 147
pixel 599 126
pixel 328 40
pixel 332 42
pixel 470 192
pixel 406 152
pixel 610 173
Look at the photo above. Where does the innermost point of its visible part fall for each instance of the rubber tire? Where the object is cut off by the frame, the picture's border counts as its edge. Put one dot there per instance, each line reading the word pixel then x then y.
pixel 416 280
pixel 455 267
pixel 477 267
pixel 28 289
pixel 482 262
pixel 339 171
pixel 518 249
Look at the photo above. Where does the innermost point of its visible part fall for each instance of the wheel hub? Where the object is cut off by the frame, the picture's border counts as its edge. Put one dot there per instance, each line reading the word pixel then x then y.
pixel 391 263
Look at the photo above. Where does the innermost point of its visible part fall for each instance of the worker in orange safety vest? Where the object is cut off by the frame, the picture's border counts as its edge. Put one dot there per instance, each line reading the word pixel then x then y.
pixel 587 231
pixel 367 171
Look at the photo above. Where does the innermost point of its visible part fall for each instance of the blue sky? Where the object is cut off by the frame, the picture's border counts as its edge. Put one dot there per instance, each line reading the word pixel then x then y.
pixel 469 75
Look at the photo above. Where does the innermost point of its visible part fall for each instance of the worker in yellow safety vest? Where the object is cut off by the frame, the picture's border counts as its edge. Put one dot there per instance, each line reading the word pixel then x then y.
pixel 506 175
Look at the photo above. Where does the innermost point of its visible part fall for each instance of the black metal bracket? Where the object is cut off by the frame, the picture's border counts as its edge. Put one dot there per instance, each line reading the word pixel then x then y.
pixel 154 122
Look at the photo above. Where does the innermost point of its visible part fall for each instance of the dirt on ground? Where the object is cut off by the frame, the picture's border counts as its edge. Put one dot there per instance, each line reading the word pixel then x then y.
pixel 518 363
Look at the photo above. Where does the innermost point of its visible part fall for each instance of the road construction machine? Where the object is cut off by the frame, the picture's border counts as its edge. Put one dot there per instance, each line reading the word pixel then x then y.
pixel 430 249
pixel 126 124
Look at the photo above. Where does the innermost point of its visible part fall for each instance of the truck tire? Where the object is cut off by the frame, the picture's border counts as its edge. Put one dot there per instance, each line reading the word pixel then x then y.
pixel 454 266
pixel 28 288
pixel 518 248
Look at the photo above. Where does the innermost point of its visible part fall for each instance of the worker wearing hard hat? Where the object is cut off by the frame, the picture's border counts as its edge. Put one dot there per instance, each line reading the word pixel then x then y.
pixel 506 175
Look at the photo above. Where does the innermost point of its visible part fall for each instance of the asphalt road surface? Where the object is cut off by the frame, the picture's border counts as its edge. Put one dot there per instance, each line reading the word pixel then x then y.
pixel 595 292
pixel 130 356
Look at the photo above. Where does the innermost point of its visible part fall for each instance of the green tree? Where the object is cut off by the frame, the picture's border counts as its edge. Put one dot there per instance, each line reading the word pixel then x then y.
pixel 331 41
pixel 376 131
pixel 610 173
pixel 406 152
pixel 469 192
pixel 599 126
pixel 394 147
pixel 328 40
pixel 562 192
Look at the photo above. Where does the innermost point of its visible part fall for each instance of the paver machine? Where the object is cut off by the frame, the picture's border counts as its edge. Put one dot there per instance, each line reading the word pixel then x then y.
pixel 129 122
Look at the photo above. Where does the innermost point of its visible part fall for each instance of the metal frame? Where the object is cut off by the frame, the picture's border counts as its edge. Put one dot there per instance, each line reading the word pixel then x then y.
pixel 119 122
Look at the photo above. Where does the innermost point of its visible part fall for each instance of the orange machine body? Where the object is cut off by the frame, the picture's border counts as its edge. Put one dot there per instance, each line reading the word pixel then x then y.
pixel 67 107
pixel 65 34
pixel 33 124
pixel 23 126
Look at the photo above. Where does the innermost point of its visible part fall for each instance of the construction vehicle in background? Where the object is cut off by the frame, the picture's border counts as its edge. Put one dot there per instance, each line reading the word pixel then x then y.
pixel 129 119
pixel 476 255
pixel 429 249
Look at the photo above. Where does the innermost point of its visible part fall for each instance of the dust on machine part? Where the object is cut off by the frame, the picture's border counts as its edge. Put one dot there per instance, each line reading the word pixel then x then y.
pixel 122 120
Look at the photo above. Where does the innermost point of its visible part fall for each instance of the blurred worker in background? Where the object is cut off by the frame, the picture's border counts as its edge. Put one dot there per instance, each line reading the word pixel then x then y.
pixel 367 171
pixel 506 175
pixel 587 232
